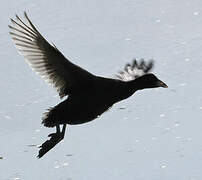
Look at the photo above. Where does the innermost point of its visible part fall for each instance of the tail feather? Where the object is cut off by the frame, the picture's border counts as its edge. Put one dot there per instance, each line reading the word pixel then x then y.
pixel 56 115
pixel 49 118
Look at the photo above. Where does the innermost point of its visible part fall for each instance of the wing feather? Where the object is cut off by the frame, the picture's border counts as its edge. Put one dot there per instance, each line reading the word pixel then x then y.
pixel 46 59
pixel 135 70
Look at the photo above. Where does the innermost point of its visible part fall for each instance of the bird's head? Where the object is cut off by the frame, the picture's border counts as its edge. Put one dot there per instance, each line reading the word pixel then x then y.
pixel 149 81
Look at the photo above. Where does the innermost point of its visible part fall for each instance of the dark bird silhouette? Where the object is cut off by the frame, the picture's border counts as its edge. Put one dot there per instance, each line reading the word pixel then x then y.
pixel 88 95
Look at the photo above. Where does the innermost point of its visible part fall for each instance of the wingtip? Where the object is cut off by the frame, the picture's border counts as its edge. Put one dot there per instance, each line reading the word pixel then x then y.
pixel 12 20
pixel 151 61
pixel 25 14
pixel 17 17
pixel 11 27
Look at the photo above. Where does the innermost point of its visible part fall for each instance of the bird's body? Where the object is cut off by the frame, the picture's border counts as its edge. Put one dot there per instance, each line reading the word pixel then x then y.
pixel 88 95
pixel 89 103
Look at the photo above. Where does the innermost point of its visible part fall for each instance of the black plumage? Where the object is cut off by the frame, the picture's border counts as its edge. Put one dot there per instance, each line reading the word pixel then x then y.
pixel 88 95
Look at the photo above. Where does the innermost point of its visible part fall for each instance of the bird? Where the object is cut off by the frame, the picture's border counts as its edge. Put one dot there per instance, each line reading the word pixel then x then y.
pixel 87 96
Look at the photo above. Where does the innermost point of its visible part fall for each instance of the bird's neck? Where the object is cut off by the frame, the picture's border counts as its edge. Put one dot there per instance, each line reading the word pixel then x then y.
pixel 133 86
pixel 128 88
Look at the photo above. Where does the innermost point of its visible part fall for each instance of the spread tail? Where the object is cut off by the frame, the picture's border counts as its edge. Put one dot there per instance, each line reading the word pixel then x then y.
pixel 50 119
pixel 56 115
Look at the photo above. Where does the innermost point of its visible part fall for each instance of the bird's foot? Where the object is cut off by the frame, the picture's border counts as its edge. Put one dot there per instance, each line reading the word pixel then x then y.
pixel 55 138
pixel 57 135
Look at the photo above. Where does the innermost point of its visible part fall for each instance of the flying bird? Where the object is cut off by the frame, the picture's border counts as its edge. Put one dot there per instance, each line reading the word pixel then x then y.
pixel 87 96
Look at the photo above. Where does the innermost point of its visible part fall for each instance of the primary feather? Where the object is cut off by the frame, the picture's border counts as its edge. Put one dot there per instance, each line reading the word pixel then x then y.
pixel 46 59
pixel 135 70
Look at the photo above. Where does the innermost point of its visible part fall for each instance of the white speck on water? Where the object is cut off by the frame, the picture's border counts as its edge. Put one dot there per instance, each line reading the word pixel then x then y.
pixel 163 166
pixel 56 166
pixel 127 39
pixel 162 115
pixel 200 108
pixel 154 138
pixel 177 124
pixel 137 118
pixel 37 130
pixel 178 137
pixel 7 117
pixel 35 102
pixel 158 20
pixel 183 84
pixel 16 178
pixel 137 140
pixel 196 13
pixel 187 59
pixel 65 164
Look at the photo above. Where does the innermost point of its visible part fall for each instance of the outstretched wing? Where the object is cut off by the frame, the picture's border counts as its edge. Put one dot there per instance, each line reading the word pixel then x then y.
pixel 46 59
pixel 135 70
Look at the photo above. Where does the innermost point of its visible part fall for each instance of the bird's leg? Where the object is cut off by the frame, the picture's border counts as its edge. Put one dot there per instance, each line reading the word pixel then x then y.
pixel 57 133
pixel 57 128
pixel 55 139
pixel 63 130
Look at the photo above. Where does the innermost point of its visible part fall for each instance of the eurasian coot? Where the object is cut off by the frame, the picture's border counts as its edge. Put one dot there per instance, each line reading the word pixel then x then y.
pixel 88 95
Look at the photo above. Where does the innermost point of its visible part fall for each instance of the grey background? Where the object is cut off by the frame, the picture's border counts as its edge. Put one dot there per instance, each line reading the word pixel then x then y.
pixel 154 135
